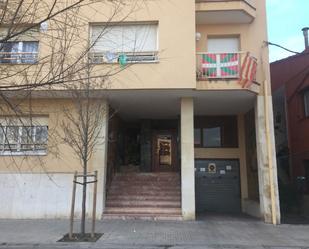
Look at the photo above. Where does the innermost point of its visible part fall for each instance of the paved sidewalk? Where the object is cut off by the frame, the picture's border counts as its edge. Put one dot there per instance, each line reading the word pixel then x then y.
pixel 209 233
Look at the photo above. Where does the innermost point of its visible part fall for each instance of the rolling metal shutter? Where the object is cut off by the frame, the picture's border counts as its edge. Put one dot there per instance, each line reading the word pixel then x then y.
pixel 217 186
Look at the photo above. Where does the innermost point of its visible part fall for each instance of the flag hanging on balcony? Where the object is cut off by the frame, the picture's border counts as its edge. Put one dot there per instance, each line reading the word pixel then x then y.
pixel 225 65
pixel 248 71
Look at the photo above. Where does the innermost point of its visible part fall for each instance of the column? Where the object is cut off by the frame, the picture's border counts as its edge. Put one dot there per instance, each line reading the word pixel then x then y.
pixel 267 164
pixel 187 159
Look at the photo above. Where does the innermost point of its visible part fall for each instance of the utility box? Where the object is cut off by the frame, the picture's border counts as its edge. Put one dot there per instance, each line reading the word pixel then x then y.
pixel 217 186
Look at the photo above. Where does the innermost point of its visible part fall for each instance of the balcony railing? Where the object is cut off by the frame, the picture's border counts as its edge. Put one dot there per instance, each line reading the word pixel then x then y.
pixel 18 57
pixel 215 66
pixel 130 57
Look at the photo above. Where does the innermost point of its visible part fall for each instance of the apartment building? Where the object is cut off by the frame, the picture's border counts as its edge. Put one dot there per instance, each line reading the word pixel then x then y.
pixel 188 128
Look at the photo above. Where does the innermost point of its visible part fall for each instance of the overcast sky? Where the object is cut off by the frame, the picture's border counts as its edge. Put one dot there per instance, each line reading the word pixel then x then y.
pixel 286 18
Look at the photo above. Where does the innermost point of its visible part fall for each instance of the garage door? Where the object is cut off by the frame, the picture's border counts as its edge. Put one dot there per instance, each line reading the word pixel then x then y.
pixel 217 186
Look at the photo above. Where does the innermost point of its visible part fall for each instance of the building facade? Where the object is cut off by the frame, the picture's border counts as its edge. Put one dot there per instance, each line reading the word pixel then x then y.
pixel 290 84
pixel 188 126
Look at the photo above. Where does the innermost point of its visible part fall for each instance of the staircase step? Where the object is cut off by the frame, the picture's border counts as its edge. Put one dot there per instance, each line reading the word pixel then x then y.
pixel 143 198
pixel 143 203
pixel 144 188
pixel 148 183
pixel 148 177
pixel 163 217
pixel 142 210
pixel 144 193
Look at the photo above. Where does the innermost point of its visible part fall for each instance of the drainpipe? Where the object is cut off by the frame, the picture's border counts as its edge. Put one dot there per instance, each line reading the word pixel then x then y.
pixel 305 32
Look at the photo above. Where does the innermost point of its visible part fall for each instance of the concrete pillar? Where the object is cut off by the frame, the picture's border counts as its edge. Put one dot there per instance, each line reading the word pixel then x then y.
pixel 187 159
pixel 267 165
pixel 99 161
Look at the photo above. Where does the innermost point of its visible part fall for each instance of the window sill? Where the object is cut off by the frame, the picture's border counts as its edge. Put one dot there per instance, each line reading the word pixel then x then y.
pixel 23 153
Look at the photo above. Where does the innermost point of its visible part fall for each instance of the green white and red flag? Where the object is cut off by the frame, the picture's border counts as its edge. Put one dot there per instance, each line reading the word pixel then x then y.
pixel 225 65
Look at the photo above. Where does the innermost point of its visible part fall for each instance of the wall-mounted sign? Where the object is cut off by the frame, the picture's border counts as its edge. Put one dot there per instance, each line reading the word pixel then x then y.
pixel 222 172
pixel 212 168
pixel 228 167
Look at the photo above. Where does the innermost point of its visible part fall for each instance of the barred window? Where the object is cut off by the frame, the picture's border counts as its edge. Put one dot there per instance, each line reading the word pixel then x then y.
pixel 20 52
pixel 23 139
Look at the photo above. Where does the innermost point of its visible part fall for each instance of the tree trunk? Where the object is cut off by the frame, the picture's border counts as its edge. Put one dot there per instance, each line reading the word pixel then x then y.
pixel 83 218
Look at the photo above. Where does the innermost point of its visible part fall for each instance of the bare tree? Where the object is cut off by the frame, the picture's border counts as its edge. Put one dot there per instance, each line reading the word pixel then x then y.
pixel 82 126
pixel 59 28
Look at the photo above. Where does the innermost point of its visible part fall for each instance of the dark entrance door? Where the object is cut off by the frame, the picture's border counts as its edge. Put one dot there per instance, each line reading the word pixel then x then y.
pixel 164 151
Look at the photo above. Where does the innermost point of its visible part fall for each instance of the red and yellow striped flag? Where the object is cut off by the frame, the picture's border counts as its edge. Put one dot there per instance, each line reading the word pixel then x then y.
pixel 248 71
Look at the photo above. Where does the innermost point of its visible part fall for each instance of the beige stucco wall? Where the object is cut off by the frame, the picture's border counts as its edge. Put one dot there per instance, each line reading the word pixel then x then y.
pixel 176 41
pixel 45 182
pixel 60 157
pixel 175 69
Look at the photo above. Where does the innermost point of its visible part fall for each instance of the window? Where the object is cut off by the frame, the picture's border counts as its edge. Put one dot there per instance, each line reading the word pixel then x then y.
pixel 197 137
pixel 216 132
pixel 19 52
pixel 139 42
pixel 212 137
pixel 306 103
pixel 23 139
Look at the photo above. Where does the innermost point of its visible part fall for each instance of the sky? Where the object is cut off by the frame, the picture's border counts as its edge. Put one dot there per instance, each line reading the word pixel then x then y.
pixel 286 18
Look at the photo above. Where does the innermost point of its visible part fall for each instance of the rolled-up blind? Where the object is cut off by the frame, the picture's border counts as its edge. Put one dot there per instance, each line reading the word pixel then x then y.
pixel 124 38
pixel 223 45
pixel 29 35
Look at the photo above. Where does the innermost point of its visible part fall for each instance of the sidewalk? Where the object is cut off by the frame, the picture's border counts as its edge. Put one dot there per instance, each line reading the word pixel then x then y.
pixel 213 232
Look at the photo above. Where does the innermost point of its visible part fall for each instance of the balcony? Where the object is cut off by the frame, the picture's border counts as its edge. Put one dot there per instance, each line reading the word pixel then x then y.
pixel 225 12
pixel 226 71
pixel 18 57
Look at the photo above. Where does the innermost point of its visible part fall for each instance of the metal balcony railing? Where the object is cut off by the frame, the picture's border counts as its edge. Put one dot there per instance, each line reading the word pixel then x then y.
pixel 18 57
pixel 240 65
pixel 131 57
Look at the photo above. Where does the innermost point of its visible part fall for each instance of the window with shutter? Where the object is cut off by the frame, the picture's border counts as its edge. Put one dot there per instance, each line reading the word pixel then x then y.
pixel 139 42
pixel 22 49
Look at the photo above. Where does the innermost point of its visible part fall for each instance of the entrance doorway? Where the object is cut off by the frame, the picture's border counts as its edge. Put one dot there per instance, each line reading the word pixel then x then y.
pixel 164 151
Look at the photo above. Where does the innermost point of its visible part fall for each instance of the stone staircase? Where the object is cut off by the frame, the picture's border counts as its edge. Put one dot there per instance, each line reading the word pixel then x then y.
pixel 153 196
